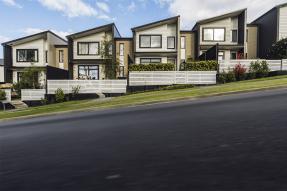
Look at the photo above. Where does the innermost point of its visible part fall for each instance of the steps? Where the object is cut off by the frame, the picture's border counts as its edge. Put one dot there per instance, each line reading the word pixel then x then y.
pixel 18 104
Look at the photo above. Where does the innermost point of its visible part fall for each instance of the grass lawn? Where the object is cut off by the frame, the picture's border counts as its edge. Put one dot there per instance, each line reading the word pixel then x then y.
pixel 150 97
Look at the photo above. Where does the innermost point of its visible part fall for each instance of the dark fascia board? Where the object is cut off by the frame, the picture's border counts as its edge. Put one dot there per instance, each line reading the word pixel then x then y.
pixel 41 35
pixel 156 23
pixel 219 17
pixel 91 31
pixel 252 25
pixel 276 7
pixel 61 46
pixel 124 39
pixel 186 31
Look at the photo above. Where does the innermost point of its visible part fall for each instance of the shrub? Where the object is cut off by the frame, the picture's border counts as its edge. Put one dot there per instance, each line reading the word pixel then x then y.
pixel 259 68
pixel 2 95
pixel 240 72
pixel 200 66
pixel 44 101
pixel 221 78
pixel 224 77
pixel 230 77
pixel 75 91
pixel 152 67
pixel 59 95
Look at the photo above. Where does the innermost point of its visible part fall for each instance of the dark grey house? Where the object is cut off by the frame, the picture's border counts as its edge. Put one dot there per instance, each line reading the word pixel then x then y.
pixel 271 27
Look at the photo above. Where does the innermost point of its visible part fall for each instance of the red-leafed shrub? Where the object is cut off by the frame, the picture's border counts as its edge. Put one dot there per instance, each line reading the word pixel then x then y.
pixel 240 72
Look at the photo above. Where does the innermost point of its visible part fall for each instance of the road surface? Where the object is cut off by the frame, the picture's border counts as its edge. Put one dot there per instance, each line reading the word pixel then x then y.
pixel 235 142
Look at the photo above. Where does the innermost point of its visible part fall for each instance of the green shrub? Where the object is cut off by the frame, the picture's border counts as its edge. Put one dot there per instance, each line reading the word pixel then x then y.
pixel 259 68
pixel 44 101
pixel 2 95
pixel 221 78
pixel 224 77
pixel 230 77
pixel 75 91
pixel 152 67
pixel 59 95
pixel 199 66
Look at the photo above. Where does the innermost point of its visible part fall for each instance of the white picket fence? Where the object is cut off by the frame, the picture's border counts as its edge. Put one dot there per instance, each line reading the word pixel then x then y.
pixel 88 86
pixel 32 94
pixel 156 78
pixel 274 65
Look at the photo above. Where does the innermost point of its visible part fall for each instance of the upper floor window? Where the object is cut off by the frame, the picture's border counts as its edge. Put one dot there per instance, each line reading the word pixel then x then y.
pixel 27 55
pixel 61 56
pixel 171 42
pixel 88 48
pixel 150 41
pixel 234 36
pixel 150 60
pixel 182 42
pixel 121 49
pixel 213 34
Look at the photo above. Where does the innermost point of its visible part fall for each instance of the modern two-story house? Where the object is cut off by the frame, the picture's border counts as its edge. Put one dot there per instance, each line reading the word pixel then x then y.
pixel 44 50
pixel 228 31
pixel 86 57
pixel 157 42
pixel 267 30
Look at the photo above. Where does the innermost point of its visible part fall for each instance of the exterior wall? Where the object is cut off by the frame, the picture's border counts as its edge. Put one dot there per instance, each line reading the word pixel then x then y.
pixel 252 42
pixel 282 23
pixel 2 74
pixel 63 65
pixel 102 74
pixel 164 30
pixel 99 37
pixel 190 46
pixel 42 77
pixel 229 24
pixel 37 44
pixel 128 51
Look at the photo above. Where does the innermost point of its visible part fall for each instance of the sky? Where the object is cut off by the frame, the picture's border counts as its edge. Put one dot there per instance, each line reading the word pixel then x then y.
pixel 19 18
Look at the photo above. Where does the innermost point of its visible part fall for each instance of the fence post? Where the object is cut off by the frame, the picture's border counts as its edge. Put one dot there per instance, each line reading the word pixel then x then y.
pixel 281 67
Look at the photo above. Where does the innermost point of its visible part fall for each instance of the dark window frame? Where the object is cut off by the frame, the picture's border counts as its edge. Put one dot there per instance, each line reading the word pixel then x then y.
pixel 78 50
pixel 89 70
pixel 61 51
pixel 17 55
pixel 150 60
pixel 150 40
pixel 213 34
pixel 171 37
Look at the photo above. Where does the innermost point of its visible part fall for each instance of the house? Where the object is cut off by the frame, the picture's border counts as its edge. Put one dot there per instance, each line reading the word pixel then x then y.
pixel 158 42
pixel 228 31
pixel 267 30
pixel 46 51
pixel 1 71
pixel 187 45
pixel 89 51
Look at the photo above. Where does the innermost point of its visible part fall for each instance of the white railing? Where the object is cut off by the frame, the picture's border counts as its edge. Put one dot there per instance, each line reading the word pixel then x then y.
pixel 274 65
pixel 156 78
pixel 88 86
pixel 32 94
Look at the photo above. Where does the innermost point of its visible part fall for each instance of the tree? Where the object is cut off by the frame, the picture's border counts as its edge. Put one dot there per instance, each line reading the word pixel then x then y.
pixel 107 56
pixel 278 50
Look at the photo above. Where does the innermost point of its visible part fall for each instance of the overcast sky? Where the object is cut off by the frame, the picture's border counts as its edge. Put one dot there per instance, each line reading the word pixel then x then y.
pixel 24 17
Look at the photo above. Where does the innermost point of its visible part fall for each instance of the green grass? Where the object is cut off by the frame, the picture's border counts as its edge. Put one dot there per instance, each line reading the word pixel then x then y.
pixel 150 97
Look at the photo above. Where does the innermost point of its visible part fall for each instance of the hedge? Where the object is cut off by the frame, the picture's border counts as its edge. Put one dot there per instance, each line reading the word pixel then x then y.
pixel 152 67
pixel 199 66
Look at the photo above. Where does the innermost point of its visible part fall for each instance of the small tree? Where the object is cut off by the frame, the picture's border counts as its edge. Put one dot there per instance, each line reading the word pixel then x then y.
pixel 106 52
pixel 278 50
pixel 59 95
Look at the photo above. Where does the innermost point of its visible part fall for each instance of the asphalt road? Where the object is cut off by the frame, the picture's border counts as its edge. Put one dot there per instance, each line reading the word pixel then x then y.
pixel 235 142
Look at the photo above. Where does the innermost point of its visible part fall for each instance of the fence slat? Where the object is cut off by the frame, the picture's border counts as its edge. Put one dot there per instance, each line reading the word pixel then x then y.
pixel 32 94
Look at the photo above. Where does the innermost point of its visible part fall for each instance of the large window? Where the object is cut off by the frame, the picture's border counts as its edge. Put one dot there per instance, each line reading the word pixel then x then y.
pixel 61 56
pixel 171 42
pixel 234 36
pixel 88 72
pixel 27 55
pixel 150 60
pixel 88 48
pixel 150 41
pixel 182 42
pixel 213 34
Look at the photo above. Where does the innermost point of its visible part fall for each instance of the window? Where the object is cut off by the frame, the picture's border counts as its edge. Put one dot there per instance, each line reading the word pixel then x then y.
pixel 220 55
pixel 234 36
pixel 88 48
pixel 46 56
pixel 171 42
pixel 182 42
pixel 213 34
pixel 27 55
pixel 88 72
pixel 121 49
pixel 233 55
pixel 150 60
pixel 61 56
pixel 122 71
pixel 150 41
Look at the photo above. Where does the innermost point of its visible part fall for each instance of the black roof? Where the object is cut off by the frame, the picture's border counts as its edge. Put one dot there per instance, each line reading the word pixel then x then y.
pixel 88 31
pixel 40 34
pixel 155 23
